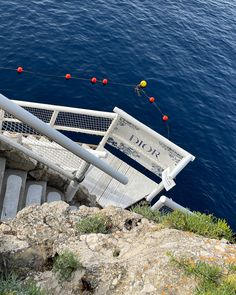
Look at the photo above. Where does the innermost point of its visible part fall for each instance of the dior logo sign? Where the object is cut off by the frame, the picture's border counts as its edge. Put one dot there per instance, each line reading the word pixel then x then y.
pixel 146 147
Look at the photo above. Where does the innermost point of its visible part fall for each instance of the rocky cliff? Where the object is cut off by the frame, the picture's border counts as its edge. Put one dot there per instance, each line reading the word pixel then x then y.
pixel 132 258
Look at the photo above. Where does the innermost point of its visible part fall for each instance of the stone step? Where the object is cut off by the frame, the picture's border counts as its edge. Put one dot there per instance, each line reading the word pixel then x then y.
pixel 54 195
pixel 35 192
pixel 12 193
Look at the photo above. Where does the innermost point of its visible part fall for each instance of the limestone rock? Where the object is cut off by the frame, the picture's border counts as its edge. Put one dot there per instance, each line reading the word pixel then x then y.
pixel 17 256
pixel 54 179
pixel 131 259
pixel 16 159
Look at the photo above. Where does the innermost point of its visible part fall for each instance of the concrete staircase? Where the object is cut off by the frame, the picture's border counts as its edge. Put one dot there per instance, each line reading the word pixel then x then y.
pixel 17 191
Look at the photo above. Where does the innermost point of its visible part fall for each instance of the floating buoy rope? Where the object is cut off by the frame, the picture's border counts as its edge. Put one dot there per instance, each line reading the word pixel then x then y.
pixel 139 88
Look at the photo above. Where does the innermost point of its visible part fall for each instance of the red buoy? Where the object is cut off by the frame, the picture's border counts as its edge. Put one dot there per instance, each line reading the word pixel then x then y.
pixel 151 99
pixel 19 70
pixel 94 80
pixel 68 76
pixel 165 118
pixel 104 81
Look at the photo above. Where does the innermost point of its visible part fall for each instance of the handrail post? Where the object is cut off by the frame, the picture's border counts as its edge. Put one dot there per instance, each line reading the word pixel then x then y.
pixel 2 114
pixel 173 174
pixel 74 184
pixel 53 118
pixel 164 201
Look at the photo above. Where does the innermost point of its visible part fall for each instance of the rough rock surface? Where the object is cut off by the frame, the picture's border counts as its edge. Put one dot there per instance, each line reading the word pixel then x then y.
pixel 16 159
pixel 141 267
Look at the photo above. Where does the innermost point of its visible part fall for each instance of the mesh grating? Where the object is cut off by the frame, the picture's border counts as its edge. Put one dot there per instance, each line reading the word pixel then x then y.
pixel 39 144
pixel 44 115
pixel 82 121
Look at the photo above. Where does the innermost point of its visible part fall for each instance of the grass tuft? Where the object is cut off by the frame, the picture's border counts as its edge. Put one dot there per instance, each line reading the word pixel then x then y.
pixel 94 224
pixel 11 285
pixel 145 211
pixel 65 264
pixel 199 223
pixel 212 280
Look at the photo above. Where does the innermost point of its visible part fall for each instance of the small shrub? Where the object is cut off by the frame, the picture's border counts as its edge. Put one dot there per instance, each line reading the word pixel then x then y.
pixel 145 211
pixel 11 285
pixel 202 224
pixel 31 289
pixel 94 224
pixel 199 223
pixel 65 264
pixel 211 278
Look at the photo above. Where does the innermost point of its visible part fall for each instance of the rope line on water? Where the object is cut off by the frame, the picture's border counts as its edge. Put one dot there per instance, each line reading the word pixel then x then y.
pixel 139 88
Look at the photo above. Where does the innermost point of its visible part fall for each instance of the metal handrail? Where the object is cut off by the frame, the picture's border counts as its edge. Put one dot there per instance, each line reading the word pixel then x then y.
pixel 45 129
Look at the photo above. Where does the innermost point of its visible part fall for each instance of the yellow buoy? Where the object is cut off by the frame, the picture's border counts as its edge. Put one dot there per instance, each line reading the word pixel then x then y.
pixel 143 84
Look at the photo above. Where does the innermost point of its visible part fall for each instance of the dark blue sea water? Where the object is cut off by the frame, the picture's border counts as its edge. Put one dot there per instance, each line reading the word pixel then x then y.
pixel 186 50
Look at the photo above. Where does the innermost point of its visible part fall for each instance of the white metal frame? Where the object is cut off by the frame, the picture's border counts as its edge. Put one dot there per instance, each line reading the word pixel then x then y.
pixel 43 128
pixel 187 157
pixel 33 155
pixel 164 201
pixel 173 174
pixel 56 110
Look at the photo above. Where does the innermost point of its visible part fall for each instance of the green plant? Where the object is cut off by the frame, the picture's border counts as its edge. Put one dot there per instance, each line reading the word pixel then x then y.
pixel 65 264
pixel 12 285
pixel 32 289
pixel 199 223
pixel 9 284
pixel 202 224
pixel 146 212
pixel 211 278
pixel 94 224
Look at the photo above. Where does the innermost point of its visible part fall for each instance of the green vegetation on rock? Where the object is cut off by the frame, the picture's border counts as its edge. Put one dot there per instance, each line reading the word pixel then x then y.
pixel 12 285
pixel 146 211
pixel 199 223
pixel 94 224
pixel 212 279
pixel 65 264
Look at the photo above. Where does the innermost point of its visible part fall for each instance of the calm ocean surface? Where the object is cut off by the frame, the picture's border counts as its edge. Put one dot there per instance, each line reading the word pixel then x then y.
pixel 186 50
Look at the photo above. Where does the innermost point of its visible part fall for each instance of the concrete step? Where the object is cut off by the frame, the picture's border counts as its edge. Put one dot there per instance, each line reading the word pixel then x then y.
pixel 54 195
pixel 35 192
pixel 17 193
pixel 12 193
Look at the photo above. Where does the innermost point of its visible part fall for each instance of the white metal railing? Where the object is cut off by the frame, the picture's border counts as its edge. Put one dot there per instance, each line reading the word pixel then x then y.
pixel 147 147
pixel 16 119
pixel 60 118
pixel 169 203
pixel 67 118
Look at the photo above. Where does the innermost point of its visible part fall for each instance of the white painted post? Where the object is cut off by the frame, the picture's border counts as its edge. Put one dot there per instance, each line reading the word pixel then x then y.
pixel 173 174
pixel 108 132
pixel 59 138
pixel 74 184
pixel 53 118
pixel 164 201
pixel 2 113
